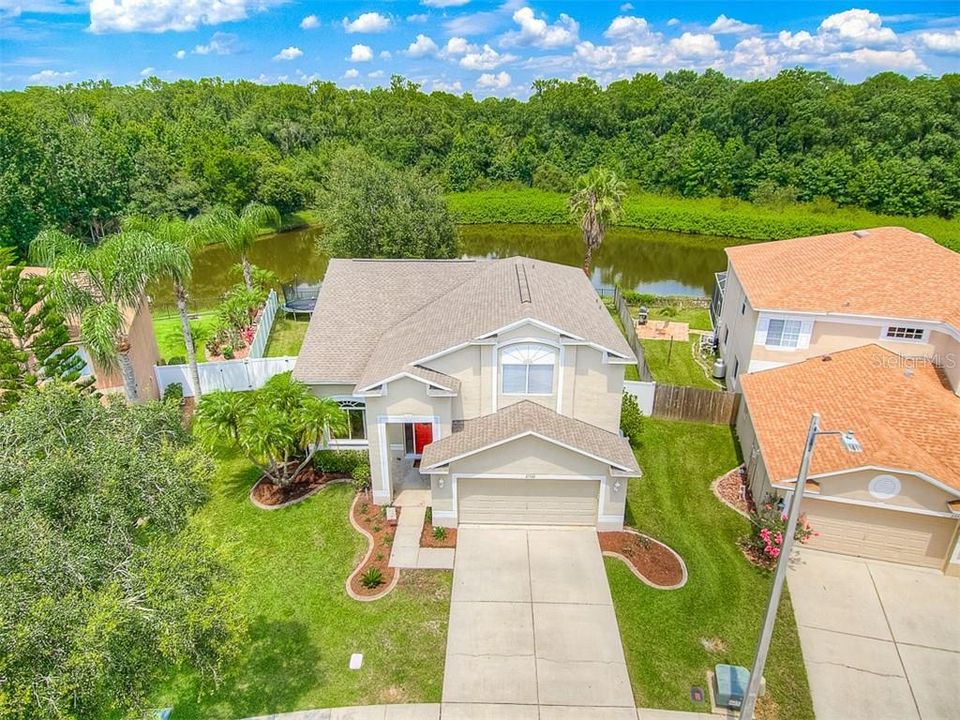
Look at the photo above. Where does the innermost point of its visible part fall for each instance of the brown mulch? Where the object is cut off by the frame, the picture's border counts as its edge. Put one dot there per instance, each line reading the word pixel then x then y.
pixel 734 490
pixel 371 518
pixel 649 558
pixel 266 492
pixel 428 540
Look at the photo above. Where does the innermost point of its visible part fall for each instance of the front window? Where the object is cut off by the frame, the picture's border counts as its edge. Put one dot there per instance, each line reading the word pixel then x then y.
pixel 356 421
pixel 527 369
pixel 783 333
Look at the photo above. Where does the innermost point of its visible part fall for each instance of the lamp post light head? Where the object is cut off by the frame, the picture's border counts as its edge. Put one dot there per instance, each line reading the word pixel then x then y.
pixel 850 442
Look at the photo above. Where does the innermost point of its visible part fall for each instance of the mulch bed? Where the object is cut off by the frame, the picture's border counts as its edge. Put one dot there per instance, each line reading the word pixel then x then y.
pixel 265 492
pixel 371 518
pixel 429 541
pixel 734 490
pixel 653 561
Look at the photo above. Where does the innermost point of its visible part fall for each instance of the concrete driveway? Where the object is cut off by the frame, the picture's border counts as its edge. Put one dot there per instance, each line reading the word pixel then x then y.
pixel 880 641
pixel 532 624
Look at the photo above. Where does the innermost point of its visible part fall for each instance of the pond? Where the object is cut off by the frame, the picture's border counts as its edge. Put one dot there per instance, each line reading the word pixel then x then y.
pixel 651 261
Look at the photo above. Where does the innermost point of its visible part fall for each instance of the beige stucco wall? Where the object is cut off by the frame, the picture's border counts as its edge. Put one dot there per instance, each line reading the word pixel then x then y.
pixel 467 366
pixel 144 355
pixel 594 390
pixel 946 351
pixel 742 328
pixel 915 493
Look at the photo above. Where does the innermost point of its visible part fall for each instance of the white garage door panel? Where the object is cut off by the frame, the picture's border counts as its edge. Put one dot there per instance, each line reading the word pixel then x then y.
pixel 528 502
pixel 880 534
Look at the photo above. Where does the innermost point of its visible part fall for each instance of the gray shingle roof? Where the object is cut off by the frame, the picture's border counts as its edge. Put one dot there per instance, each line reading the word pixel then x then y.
pixel 527 417
pixel 373 318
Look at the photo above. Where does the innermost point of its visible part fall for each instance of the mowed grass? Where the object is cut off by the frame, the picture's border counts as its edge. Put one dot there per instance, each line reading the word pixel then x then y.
pixel 291 566
pixel 169 335
pixel 722 604
pixel 696 318
pixel 286 337
pixel 676 365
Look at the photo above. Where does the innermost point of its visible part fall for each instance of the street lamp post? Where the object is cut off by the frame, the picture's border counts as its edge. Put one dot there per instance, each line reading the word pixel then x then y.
pixel 756 674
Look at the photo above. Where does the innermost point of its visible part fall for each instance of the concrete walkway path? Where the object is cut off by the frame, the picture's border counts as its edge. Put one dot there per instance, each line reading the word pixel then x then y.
pixel 532 624
pixel 880 641
pixel 406 551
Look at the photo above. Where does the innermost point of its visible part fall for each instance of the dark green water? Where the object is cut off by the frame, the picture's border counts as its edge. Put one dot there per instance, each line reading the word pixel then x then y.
pixel 651 261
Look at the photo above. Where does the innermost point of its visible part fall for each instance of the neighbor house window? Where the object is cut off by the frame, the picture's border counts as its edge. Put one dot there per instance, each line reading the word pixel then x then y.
pixel 898 332
pixel 356 421
pixel 783 333
pixel 527 369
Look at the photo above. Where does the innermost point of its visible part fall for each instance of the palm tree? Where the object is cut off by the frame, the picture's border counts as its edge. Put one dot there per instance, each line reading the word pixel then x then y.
pixel 175 242
pixel 99 286
pixel 596 203
pixel 238 232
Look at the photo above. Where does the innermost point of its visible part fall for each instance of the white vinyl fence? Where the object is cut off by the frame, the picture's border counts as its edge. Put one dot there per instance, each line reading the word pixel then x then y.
pixel 259 344
pixel 644 392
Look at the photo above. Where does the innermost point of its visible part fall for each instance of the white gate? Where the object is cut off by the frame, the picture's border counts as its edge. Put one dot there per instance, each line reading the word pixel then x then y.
pixel 235 375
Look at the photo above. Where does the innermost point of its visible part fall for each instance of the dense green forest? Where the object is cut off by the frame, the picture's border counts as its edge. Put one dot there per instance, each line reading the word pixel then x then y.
pixel 79 157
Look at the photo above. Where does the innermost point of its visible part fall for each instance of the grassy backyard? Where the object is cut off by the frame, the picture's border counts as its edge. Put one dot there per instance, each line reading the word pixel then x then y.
pixel 676 366
pixel 665 631
pixel 286 337
pixel 696 318
pixel 291 566
pixel 170 336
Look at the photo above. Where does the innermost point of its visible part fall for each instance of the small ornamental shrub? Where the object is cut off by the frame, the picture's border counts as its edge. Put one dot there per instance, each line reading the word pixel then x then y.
pixel 440 533
pixel 769 523
pixel 371 578
pixel 631 420
pixel 429 516
pixel 361 477
pixel 173 392
pixel 377 528
pixel 227 351
pixel 339 462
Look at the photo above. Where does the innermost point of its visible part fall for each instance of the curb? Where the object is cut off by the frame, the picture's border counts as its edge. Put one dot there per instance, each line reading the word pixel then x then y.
pixel 626 561
pixel 356 571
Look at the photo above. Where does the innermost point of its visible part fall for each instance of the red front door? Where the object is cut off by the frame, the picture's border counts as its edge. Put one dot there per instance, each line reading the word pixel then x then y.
pixel 422 435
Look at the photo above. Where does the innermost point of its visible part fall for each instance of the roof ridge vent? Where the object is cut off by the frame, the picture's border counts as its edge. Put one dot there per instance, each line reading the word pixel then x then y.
pixel 861 233
pixel 523 284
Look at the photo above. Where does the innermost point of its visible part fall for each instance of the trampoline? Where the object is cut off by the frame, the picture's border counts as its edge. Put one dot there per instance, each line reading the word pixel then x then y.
pixel 300 298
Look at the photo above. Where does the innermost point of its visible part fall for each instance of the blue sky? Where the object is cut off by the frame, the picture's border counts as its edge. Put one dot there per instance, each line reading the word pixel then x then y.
pixel 485 48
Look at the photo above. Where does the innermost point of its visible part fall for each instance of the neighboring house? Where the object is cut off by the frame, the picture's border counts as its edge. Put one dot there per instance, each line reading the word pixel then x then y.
pixel 494 384
pixel 144 353
pixel 898 499
pixel 783 302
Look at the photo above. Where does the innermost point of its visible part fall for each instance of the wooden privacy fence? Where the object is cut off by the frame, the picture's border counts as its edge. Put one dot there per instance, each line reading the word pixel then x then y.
pixel 675 402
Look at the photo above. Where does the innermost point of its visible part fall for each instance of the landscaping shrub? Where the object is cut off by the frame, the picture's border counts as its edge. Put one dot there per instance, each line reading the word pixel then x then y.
pixel 439 533
pixel 340 462
pixel 631 420
pixel 361 477
pixel 768 524
pixel 173 392
pixel 371 578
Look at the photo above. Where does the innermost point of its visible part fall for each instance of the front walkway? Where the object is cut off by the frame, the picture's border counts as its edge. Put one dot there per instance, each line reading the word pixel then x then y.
pixel 406 551
pixel 880 641
pixel 532 624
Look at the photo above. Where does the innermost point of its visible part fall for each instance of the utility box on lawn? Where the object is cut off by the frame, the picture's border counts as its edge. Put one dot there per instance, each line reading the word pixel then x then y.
pixel 730 685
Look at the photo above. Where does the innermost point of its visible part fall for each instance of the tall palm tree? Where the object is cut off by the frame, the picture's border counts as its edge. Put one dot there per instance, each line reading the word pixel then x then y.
pixel 99 285
pixel 239 232
pixel 596 203
pixel 175 242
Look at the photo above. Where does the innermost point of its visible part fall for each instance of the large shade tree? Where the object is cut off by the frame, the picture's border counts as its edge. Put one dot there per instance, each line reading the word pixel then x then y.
pixel 238 231
pixel 102 286
pixel 596 203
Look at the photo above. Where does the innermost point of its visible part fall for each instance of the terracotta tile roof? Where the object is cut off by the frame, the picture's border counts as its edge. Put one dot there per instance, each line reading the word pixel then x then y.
pixel 886 272
pixel 528 417
pixel 374 318
pixel 902 411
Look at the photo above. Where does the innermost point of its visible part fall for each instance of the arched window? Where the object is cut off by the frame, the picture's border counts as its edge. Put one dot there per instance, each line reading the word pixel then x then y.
pixel 527 369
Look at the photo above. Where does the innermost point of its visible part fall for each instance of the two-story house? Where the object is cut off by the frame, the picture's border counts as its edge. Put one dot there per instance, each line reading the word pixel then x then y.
pixel 494 384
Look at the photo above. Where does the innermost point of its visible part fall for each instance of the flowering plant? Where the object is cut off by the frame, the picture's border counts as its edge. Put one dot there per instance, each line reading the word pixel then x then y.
pixel 769 523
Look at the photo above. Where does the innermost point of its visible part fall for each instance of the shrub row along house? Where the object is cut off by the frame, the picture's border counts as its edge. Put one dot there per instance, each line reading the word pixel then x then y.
pixel 495 383
pixel 864 328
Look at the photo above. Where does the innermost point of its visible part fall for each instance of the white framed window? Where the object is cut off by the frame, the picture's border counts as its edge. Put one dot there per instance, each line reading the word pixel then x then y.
pixel 904 332
pixel 527 369
pixel 356 420
pixel 783 333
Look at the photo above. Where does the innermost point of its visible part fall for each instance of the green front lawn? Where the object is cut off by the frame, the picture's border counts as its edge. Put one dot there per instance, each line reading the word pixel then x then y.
pixel 291 565
pixel 286 337
pixel 676 366
pixel 169 335
pixel 665 631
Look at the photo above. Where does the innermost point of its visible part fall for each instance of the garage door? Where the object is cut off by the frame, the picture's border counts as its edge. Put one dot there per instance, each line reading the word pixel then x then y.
pixel 528 502
pixel 879 534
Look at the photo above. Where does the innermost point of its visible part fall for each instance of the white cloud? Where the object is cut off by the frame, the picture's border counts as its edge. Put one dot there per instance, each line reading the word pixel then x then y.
pixel 673 21
pixel 539 33
pixel 180 54
pixel 599 56
pixel 475 23
pixel 422 46
pixel 444 3
pixel 724 25
pixel 859 27
pixel 444 86
pixel 942 42
pixel 147 72
pixel 697 46
pixel 221 43
pixel 163 15
pixel 368 22
pixel 289 53
pixel 351 73
pixel 626 7
pixel 456 46
pixel 642 55
pixel 375 74
pixel 628 27
pixel 310 22
pixel 485 58
pixel 50 77
pixel 494 82
pixel 418 18
pixel 892 59
pixel 751 59
pixel 361 53
pixel 385 55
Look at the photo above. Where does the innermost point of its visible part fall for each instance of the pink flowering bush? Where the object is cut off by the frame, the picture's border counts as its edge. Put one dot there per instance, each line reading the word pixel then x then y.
pixel 769 524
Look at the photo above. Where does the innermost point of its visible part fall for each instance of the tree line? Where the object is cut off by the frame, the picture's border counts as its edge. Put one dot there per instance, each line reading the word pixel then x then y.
pixel 80 157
